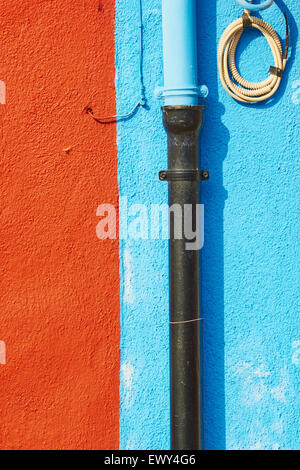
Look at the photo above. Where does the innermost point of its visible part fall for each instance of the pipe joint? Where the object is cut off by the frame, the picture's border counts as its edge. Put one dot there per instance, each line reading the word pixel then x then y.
pixel 184 95
pixel 182 119
pixel 175 96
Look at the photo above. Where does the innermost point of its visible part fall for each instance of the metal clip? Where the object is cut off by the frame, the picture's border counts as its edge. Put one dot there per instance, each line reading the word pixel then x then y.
pixel 184 175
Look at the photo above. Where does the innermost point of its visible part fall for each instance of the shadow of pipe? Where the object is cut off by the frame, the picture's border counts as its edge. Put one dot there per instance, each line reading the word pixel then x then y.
pixel 214 146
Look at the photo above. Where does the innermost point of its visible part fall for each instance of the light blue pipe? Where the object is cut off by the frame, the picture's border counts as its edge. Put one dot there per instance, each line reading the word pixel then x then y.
pixel 255 7
pixel 180 52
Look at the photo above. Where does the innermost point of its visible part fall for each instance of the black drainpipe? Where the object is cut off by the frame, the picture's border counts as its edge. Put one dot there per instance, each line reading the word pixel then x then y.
pixel 182 124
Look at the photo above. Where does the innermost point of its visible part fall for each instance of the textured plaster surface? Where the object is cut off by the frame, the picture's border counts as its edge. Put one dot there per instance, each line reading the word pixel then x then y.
pixel 59 285
pixel 250 272
pixel 144 420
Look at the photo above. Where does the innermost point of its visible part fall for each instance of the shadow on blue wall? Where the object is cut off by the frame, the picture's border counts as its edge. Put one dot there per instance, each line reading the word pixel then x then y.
pixel 215 138
pixel 214 147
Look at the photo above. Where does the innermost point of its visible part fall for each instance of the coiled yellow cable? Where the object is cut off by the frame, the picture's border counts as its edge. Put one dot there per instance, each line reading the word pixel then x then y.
pixel 240 89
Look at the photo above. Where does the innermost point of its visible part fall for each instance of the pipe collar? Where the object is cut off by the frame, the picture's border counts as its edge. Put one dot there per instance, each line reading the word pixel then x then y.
pixel 182 119
pixel 177 94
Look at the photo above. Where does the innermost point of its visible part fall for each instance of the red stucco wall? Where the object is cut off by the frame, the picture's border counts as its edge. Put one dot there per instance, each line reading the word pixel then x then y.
pixel 59 285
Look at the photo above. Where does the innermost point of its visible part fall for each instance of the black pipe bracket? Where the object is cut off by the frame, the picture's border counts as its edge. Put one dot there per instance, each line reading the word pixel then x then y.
pixel 184 175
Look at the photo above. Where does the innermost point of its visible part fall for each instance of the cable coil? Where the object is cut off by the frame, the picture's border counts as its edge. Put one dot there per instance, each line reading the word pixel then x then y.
pixel 241 89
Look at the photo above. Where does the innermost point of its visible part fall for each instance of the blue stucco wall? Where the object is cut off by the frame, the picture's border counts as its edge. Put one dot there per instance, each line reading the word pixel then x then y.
pixel 250 268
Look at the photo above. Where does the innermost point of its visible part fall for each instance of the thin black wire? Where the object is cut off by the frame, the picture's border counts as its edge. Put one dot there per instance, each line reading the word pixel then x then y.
pixel 142 100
